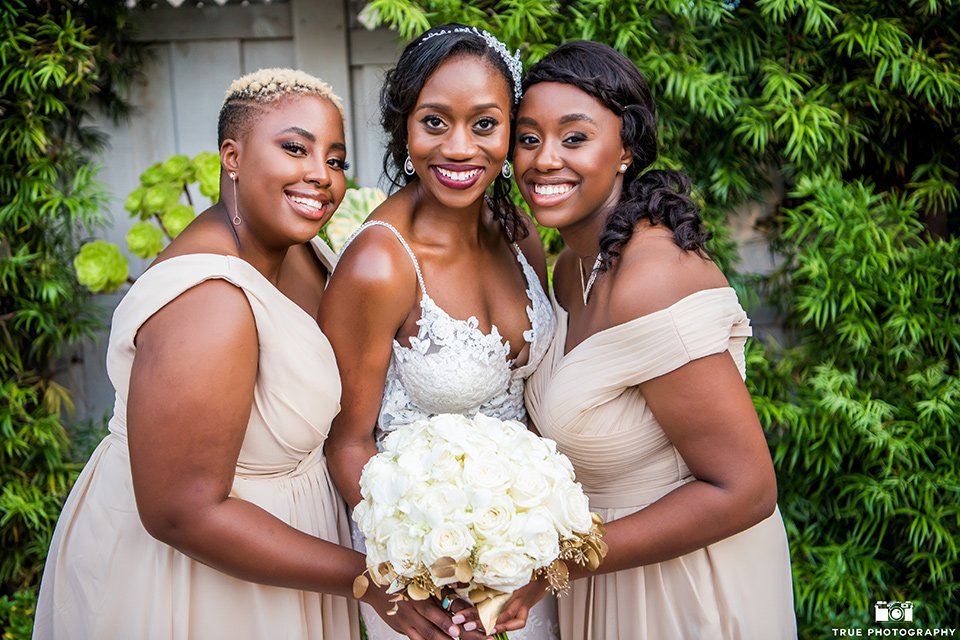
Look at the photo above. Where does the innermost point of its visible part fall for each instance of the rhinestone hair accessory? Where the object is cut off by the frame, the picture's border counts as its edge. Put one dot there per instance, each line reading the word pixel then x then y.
pixel 511 60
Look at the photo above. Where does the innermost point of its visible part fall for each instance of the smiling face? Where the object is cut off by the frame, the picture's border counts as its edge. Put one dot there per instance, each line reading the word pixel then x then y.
pixel 290 169
pixel 458 134
pixel 568 156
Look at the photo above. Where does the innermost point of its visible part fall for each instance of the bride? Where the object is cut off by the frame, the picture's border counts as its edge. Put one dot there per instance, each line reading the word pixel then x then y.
pixel 437 304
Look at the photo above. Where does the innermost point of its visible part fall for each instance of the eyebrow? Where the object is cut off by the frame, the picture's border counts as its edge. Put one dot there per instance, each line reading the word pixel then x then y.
pixel 570 117
pixel 443 107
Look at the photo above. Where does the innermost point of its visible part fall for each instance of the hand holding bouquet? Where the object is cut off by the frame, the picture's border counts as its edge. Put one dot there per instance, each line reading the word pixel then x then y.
pixel 482 502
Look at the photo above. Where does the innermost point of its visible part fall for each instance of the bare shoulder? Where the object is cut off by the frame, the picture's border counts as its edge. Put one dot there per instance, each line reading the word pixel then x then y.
pixel 376 259
pixel 653 273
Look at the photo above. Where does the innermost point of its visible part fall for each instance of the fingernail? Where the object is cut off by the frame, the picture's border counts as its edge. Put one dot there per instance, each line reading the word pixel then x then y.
pixel 470 626
pixel 458 619
pixel 453 632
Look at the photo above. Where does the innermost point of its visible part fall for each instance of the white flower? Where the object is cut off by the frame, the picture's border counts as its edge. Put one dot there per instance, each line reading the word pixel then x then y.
pixel 449 540
pixel 403 549
pixel 492 523
pixel 570 509
pixel 540 538
pixel 488 471
pixel 530 487
pixel 480 490
pixel 505 569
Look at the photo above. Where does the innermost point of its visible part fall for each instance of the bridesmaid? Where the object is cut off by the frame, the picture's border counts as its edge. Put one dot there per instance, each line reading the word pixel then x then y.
pixel 208 511
pixel 643 387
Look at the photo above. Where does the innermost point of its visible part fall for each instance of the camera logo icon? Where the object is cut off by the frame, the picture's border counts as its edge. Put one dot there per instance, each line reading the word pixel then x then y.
pixel 895 611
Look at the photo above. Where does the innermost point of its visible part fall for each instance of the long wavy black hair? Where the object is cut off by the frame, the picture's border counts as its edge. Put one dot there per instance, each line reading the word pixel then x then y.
pixel 402 87
pixel 662 197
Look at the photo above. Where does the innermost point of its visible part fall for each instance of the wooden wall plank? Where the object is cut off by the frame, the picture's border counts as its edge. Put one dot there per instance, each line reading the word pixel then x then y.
pixel 262 54
pixel 166 24
pixel 202 71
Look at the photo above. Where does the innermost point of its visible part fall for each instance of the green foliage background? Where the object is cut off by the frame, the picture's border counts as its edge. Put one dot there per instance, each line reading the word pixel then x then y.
pixel 57 58
pixel 852 105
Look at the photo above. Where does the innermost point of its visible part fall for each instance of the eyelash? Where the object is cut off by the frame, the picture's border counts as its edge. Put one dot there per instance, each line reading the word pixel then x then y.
pixel 296 147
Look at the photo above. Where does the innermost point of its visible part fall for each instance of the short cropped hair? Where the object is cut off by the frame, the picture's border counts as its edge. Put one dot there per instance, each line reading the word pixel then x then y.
pixel 247 96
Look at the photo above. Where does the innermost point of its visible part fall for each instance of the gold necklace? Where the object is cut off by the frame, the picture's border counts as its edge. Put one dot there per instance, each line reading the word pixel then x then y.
pixel 586 286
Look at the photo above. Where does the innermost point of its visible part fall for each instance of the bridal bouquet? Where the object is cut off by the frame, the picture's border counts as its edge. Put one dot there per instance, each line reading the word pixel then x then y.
pixel 472 501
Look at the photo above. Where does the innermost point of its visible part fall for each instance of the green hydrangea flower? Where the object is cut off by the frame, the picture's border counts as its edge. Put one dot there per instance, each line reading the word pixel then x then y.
pixel 178 168
pixel 135 200
pixel 153 175
pixel 207 167
pixel 176 218
pixel 100 266
pixel 145 240
pixel 159 197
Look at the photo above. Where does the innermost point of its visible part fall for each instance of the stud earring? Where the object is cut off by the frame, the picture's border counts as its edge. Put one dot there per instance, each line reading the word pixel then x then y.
pixel 623 167
pixel 408 166
pixel 507 170
pixel 236 203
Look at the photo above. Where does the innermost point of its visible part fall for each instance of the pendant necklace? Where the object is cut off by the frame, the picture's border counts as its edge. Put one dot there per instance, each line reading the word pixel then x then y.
pixel 586 286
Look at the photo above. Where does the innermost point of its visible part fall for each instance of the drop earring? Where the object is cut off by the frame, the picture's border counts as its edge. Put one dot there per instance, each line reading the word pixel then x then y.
pixel 507 170
pixel 236 203
pixel 408 165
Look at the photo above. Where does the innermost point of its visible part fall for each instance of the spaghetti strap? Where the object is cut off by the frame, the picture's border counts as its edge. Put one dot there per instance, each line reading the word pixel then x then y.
pixel 381 223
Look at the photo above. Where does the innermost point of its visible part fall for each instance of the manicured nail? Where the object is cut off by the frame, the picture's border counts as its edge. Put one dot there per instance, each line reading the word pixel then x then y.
pixel 470 626
pixel 453 632
pixel 458 619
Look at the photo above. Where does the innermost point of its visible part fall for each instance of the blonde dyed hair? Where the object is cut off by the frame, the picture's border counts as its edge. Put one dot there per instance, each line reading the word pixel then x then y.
pixel 248 94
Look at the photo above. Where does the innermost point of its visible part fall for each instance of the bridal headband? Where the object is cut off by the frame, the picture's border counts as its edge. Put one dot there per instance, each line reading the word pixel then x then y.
pixel 511 60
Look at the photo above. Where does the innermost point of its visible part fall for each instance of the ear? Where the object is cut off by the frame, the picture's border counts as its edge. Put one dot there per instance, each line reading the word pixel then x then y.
pixel 230 155
pixel 626 156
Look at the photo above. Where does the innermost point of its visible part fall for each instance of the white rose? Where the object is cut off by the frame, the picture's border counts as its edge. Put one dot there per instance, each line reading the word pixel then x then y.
pixel 492 523
pixel 403 550
pixel 530 488
pixel 449 540
pixel 488 472
pixel 541 541
pixel 570 509
pixel 504 569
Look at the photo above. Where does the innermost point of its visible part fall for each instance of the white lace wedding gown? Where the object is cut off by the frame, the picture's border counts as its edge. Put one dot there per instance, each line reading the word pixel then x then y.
pixel 453 367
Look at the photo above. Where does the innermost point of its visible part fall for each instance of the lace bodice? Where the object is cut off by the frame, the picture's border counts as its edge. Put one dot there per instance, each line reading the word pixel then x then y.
pixel 451 366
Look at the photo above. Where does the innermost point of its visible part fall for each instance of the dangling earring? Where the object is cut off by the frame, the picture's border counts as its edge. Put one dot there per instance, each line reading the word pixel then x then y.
pixel 408 166
pixel 623 167
pixel 507 170
pixel 236 203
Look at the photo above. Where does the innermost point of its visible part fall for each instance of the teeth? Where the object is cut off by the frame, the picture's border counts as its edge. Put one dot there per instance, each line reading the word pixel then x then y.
pixel 460 176
pixel 316 205
pixel 551 189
